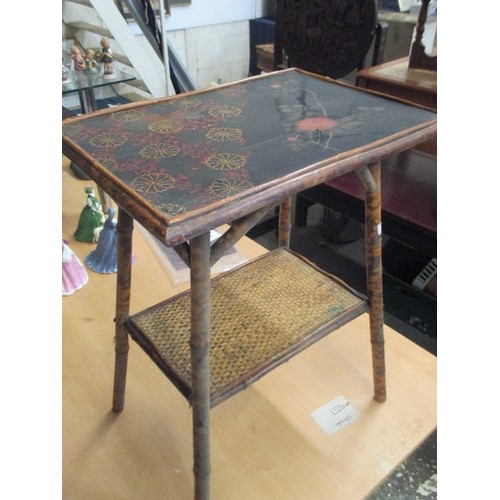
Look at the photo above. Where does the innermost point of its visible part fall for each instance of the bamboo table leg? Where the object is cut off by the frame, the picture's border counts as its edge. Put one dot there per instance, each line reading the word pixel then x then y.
pixel 105 200
pixel 200 362
pixel 373 242
pixel 124 229
pixel 285 225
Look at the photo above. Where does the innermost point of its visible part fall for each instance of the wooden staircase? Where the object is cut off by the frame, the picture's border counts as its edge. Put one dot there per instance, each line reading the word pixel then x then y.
pixel 85 22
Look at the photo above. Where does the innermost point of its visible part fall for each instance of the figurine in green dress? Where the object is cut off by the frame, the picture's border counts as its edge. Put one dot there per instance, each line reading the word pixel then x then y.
pixel 90 62
pixel 91 218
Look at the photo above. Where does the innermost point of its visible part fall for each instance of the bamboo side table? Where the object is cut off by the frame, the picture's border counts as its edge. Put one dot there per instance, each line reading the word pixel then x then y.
pixel 184 165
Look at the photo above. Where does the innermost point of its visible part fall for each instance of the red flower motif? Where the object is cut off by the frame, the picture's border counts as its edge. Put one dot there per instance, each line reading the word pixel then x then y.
pixel 315 123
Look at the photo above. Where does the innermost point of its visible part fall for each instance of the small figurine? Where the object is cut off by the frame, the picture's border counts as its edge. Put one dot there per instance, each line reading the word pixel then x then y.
pixel 74 275
pixel 105 56
pixel 91 218
pixel 104 258
pixel 78 61
pixel 90 62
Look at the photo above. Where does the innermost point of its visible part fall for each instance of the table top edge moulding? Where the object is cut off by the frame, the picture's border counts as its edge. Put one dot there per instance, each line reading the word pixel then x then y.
pixel 175 228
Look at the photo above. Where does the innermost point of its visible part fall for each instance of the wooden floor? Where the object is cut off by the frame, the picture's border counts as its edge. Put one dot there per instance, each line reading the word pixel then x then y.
pixel 265 444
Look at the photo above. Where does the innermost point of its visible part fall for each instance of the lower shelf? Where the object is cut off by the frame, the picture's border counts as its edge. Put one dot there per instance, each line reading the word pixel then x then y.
pixel 263 313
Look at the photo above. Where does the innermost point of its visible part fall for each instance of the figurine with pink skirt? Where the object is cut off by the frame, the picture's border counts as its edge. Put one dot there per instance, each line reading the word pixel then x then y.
pixel 74 275
pixel 78 60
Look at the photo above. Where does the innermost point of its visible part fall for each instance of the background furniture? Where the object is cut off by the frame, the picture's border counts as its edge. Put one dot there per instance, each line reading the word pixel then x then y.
pixel 396 78
pixel 419 59
pixel 85 84
pixel 409 205
pixel 261 32
pixel 326 37
pixel 398 32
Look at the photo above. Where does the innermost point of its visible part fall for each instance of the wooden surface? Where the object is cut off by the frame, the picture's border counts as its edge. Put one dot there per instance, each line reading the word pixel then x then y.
pixel 264 442
pixel 397 79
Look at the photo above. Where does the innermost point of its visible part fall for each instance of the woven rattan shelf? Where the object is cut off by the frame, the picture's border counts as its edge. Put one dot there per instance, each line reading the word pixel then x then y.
pixel 263 313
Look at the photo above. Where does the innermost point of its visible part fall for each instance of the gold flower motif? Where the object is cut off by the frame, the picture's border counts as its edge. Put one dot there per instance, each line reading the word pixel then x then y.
pixel 153 183
pixel 109 163
pixel 234 91
pixel 193 102
pixel 224 188
pixel 128 115
pixel 224 111
pixel 224 134
pixel 108 140
pixel 70 130
pixel 225 161
pixel 171 208
pixel 166 126
pixel 158 151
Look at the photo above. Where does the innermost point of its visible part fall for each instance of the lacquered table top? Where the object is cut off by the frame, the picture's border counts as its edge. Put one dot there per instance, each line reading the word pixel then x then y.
pixel 181 164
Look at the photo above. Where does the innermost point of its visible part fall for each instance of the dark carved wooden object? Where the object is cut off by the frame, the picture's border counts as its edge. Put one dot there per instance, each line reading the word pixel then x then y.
pixel 327 37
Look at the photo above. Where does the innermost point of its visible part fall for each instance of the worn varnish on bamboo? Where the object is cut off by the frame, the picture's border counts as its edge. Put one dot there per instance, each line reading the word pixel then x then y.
pixel 184 165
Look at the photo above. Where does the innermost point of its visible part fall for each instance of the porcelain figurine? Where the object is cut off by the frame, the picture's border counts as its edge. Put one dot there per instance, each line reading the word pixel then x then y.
pixel 78 61
pixel 104 258
pixel 91 218
pixel 90 62
pixel 105 56
pixel 74 275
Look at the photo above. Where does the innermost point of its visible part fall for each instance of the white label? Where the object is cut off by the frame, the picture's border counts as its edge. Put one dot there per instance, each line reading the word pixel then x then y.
pixel 379 229
pixel 335 415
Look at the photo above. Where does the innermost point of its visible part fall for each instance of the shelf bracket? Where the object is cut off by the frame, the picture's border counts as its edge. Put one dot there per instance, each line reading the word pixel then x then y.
pixel 237 230
pixel 366 178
